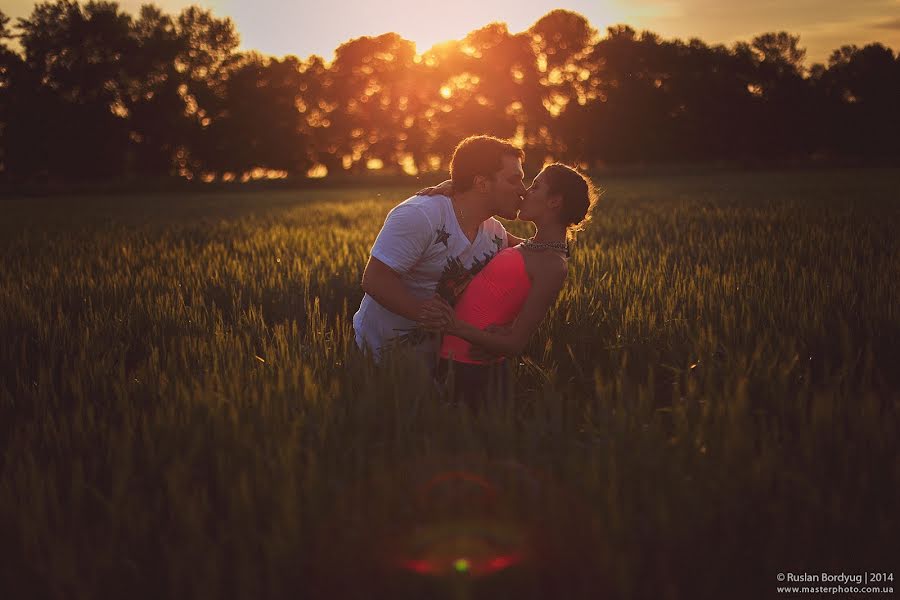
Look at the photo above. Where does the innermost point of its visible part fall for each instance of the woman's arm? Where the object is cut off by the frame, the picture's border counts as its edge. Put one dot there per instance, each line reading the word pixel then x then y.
pixel 444 188
pixel 544 291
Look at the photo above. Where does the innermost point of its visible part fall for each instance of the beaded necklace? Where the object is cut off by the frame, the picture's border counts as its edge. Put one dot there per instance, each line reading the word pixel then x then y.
pixel 559 246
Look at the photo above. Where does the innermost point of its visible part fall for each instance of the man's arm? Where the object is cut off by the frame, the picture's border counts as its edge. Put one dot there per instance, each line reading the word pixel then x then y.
pixel 387 288
pixel 400 243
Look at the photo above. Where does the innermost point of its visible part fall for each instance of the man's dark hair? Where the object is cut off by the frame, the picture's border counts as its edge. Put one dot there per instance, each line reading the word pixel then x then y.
pixel 479 155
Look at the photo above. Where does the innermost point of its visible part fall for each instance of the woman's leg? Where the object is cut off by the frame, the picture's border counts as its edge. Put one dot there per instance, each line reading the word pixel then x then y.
pixel 477 385
pixel 499 382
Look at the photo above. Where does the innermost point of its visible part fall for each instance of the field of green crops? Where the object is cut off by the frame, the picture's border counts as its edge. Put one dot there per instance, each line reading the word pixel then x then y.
pixel 714 400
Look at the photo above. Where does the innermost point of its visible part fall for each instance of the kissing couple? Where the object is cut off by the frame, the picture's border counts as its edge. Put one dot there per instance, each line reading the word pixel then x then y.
pixel 446 280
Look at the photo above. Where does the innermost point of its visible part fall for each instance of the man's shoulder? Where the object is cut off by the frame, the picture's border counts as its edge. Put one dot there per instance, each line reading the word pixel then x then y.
pixel 428 204
pixel 419 208
pixel 493 224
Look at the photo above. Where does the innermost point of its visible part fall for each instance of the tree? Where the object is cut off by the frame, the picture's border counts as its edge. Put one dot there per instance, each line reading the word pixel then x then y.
pixel 862 87
pixel 627 120
pixel 780 51
pixel 9 61
pixel 373 88
pixel 488 86
pixel 262 126
pixel 207 54
pixel 784 118
pixel 74 58
pixel 568 78
pixel 156 103
pixel 97 93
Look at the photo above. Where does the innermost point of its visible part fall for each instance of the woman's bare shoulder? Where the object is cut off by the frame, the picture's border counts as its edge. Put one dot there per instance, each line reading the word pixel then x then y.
pixel 546 265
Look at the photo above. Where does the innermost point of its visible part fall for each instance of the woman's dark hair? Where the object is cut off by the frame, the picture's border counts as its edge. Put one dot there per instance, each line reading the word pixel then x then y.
pixel 479 155
pixel 578 195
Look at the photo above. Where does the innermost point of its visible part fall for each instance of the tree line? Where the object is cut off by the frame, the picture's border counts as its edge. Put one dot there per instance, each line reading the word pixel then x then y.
pixel 93 92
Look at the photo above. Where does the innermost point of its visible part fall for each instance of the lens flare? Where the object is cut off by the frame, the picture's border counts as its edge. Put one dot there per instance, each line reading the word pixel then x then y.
pixel 473 548
pixel 464 527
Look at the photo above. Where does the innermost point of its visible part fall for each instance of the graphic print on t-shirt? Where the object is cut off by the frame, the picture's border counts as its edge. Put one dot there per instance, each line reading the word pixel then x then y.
pixel 453 282
pixel 442 236
pixel 456 277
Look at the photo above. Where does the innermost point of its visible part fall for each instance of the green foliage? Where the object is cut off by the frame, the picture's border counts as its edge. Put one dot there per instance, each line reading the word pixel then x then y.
pixel 712 401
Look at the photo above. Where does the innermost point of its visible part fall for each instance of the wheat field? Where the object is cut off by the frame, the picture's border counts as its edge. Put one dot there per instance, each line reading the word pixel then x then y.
pixel 713 400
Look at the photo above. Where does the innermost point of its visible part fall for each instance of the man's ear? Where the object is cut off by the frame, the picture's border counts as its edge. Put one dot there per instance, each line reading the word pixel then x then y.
pixel 555 201
pixel 480 183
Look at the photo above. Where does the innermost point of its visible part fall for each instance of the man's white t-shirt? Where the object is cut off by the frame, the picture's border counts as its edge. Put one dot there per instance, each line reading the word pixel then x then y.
pixel 421 240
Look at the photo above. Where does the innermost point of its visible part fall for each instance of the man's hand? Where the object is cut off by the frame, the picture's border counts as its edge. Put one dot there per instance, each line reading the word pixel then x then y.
pixel 435 314
pixel 444 188
pixel 482 354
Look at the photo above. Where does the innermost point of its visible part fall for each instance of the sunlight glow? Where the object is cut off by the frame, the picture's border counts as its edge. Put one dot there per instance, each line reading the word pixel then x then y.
pixel 317 171
pixel 298 28
pixel 408 164
pixel 519 139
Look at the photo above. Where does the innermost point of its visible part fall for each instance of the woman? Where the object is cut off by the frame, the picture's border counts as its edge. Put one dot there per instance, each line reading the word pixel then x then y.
pixel 516 288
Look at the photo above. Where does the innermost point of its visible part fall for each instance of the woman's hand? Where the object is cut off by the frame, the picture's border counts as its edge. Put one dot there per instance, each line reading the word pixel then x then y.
pixel 437 314
pixel 482 354
pixel 444 188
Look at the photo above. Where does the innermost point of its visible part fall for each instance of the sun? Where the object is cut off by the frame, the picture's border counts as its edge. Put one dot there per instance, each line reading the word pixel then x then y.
pixel 301 31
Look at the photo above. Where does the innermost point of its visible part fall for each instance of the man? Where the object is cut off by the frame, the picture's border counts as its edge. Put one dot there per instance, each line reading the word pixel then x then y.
pixel 431 246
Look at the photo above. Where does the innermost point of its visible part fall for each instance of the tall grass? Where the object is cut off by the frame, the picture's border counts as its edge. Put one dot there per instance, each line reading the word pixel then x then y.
pixel 713 400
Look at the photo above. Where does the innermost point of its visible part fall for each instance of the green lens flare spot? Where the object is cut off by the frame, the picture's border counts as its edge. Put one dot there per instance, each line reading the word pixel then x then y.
pixel 461 565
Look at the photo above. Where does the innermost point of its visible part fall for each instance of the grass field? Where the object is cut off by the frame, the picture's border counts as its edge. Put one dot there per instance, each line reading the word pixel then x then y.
pixel 714 400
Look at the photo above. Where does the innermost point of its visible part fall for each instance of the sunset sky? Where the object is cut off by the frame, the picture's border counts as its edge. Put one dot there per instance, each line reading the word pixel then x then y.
pixel 301 28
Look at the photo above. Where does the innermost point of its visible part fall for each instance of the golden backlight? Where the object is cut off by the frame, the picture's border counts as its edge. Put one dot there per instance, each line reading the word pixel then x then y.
pixel 301 29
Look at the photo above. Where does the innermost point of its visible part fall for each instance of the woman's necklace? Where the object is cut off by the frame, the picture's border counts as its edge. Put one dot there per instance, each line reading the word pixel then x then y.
pixel 560 246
